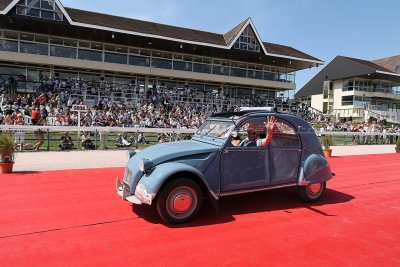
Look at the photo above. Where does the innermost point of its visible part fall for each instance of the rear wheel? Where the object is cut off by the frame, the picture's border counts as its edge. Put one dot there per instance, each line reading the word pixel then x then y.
pixel 312 192
pixel 179 201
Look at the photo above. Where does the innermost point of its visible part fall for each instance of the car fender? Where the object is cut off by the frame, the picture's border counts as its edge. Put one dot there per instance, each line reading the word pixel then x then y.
pixel 156 177
pixel 315 169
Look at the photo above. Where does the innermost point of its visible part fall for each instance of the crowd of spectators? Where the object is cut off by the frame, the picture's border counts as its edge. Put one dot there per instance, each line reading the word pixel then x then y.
pixel 373 132
pixel 156 107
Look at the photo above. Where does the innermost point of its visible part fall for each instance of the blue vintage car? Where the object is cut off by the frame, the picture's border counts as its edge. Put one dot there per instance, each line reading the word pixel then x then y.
pixel 176 176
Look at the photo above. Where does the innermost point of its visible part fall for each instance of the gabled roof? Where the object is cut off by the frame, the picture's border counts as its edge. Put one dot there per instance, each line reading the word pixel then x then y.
pixel 232 34
pixel 341 68
pixel 4 4
pixel 368 64
pixel 238 32
pixel 390 63
pixel 287 51
pixel 93 20
pixel 144 27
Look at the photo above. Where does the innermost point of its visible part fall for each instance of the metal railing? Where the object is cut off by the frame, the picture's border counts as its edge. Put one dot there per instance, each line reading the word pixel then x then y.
pixel 105 137
pixel 102 137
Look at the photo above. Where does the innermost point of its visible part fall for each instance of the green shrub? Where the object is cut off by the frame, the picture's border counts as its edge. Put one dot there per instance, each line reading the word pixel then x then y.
pixel 327 142
pixel 7 147
pixel 398 142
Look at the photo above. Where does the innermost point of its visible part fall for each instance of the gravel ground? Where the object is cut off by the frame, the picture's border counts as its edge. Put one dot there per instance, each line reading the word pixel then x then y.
pixel 44 161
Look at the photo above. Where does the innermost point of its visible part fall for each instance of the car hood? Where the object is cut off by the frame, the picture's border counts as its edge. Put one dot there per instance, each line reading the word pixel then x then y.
pixel 168 151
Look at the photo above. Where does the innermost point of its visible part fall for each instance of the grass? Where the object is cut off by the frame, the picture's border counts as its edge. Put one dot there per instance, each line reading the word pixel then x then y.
pixel 52 140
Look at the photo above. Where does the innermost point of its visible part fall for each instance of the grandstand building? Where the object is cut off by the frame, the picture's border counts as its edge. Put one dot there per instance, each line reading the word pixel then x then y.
pixel 42 38
pixel 355 88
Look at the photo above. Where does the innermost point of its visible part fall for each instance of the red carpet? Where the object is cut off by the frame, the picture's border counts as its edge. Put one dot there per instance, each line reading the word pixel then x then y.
pixel 75 218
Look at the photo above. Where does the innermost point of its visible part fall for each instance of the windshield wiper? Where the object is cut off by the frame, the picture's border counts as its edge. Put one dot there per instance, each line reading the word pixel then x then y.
pixel 210 130
pixel 224 132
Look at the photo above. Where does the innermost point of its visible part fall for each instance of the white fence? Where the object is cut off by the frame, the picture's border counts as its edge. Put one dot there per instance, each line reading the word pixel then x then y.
pixel 94 128
pixel 54 132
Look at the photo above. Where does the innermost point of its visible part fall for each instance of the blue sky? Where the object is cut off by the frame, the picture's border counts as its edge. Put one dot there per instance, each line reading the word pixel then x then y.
pixel 363 29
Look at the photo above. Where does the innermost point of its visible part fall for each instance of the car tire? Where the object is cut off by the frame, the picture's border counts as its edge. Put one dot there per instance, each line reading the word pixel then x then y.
pixel 311 192
pixel 179 201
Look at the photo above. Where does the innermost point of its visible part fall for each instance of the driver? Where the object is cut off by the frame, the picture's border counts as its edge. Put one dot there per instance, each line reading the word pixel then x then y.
pixel 253 138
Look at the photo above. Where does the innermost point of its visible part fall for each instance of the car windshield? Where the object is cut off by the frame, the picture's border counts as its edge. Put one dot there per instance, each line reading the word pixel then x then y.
pixel 215 128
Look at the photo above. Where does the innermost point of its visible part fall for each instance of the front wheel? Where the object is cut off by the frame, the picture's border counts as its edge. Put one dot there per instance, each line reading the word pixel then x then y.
pixel 311 192
pixel 179 201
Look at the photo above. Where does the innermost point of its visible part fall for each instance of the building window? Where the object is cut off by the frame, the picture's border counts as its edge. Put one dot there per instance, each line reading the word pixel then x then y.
pixel 220 70
pixel 45 9
pixel 182 65
pixel 115 58
pixel 34 48
pixel 247 41
pixel 202 68
pixel 89 55
pixel 139 61
pixel 59 51
pixel 161 63
pixel 7 45
pixel 347 100
pixel 348 85
pixel 238 72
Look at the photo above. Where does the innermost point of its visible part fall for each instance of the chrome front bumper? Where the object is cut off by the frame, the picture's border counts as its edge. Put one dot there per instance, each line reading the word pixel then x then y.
pixel 122 190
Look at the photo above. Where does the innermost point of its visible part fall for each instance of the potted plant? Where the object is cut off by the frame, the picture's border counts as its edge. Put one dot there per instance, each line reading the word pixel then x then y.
pixel 398 145
pixel 327 142
pixel 7 152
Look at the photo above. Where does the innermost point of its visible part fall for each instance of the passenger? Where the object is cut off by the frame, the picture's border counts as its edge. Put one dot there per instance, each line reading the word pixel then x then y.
pixel 235 139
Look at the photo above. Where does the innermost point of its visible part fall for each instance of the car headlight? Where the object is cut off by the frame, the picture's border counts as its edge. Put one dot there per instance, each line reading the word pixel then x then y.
pixel 145 165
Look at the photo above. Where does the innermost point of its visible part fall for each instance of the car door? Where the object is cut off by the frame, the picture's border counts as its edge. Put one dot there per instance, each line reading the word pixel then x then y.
pixel 285 154
pixel 245 167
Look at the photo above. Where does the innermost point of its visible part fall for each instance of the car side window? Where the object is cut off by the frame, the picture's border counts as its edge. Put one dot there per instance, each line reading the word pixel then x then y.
pixel 284 135
pixel 248 133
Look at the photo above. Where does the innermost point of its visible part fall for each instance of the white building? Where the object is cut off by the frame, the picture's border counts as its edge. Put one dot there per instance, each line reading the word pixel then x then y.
pixel 352 88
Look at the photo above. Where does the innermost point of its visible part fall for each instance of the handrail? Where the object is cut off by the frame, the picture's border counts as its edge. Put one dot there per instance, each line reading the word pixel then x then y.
pixel 151 130
pixel 94 128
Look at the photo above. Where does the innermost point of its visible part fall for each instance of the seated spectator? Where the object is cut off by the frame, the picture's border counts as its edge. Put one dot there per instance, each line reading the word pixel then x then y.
pixel 141 139
pixel 87 142
pixel 66 142
pixel 121 142
pixel 161 138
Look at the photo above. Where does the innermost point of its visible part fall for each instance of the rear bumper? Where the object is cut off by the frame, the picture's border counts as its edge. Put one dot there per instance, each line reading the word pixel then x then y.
pixel 122 190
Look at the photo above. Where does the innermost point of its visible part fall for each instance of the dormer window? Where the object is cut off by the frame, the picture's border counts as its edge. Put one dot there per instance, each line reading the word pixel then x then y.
pixel 45 9
pixel 247 41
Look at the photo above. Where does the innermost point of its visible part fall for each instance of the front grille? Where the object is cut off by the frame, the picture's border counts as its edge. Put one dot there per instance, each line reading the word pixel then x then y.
pixel 127 176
